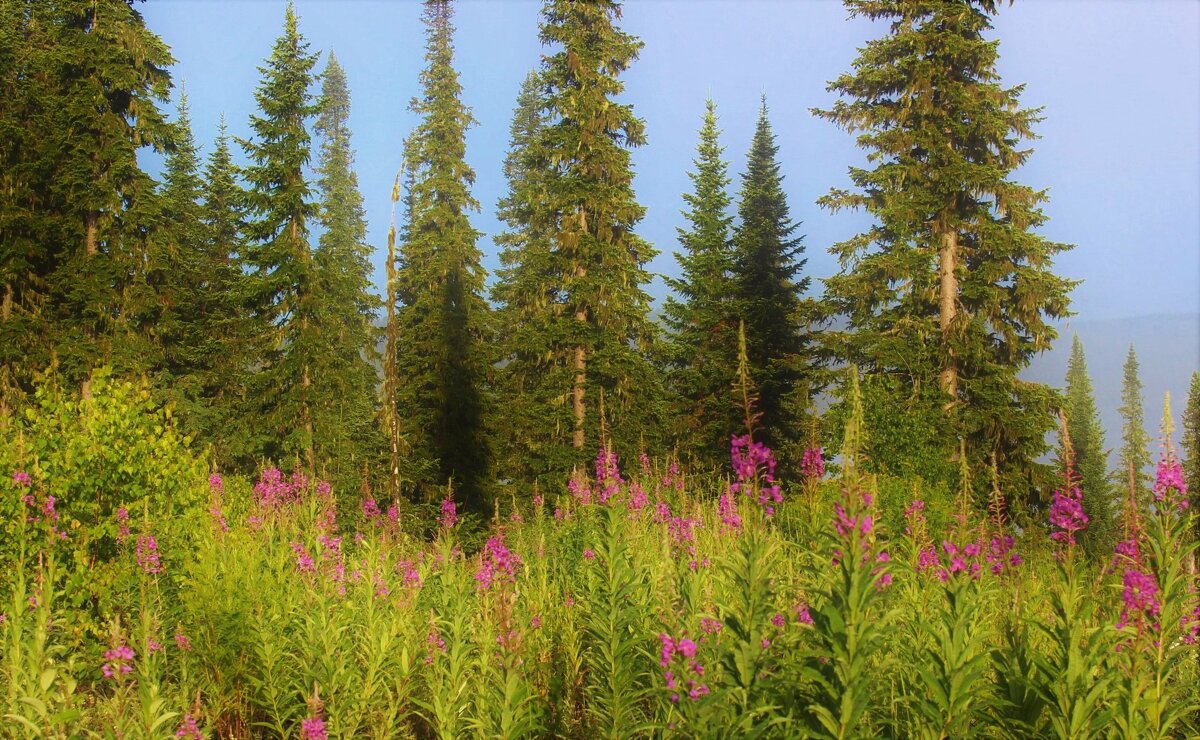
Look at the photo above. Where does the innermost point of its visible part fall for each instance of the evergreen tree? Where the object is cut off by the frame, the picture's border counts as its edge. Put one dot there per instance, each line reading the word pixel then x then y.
pixel 582 307
pixel 443 318
pixel 344 397
pixel 1091 459
pixel 82 83
pixel 285 282
pixel 951 293
pixel 1135 441
pixel 702 321
pixel 226 353
pixel 768 285
pixel 175 272
pixel 1191 442
pixel 526 285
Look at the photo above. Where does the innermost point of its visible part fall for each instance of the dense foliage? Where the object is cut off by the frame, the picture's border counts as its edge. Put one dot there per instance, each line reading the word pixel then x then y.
pixel 201 539
pixel 631 602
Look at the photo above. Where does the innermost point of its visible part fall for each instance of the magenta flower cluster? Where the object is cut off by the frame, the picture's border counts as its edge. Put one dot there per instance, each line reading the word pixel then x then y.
pixel 188 729
pixel 1067 515
pixel 273 490
pixel 680 655
pixel 754 466
pixel 498 564
pixel 608 475
pixel 812 464
pixel 1139 597
pixel 118 661
pixel 123 532
pixel 1169 486
pixel 727 510
pixel 449 514
pixel 313 728
pixel 147 554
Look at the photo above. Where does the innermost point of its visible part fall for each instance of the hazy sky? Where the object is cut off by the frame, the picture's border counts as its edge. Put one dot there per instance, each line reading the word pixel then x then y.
pixel 1119 80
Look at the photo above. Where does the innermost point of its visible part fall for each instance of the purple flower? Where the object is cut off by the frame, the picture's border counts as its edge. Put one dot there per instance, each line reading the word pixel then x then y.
pixel 312 728
pixel 812 464
pixel 608 476
pixel 779 621
pixel 182 642
pixel 1169 485
pixel 21 478
pixel 710 626
pixel 1140 597
pixel 1066 513
pixel 497 564
pixel 588 554
pixel 147 554
pixel 728 511
pixel 216 485
pixel 188 729
pixel 304 561
pixel 370 509
pixel 449 515
pixel 118 661
pixel 803 616
pixel 123 532
pixel 754 466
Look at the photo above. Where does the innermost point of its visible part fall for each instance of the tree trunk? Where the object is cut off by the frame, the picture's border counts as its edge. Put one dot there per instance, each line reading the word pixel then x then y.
pixel 948 310
pixel 580 410
pixel 91 232
pixel 390 382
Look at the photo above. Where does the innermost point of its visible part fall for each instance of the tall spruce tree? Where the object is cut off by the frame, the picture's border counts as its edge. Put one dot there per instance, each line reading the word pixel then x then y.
pixel 176 273
pixel 344 433
pixel 1135 440
pixel 444 318
pixel 768 288
pixel 584 303
pixel 1191 442
pixel 285 300
pixel 1091 459
pixel 703 345
pixel 226 354
pixel 951 293
pixel 82 84
pixel 526 285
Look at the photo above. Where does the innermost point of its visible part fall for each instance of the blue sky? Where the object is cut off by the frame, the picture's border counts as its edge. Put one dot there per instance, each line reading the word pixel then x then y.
pixel 1119 79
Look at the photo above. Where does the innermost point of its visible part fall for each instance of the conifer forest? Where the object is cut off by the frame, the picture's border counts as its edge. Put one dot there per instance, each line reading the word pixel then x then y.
pixel 250 487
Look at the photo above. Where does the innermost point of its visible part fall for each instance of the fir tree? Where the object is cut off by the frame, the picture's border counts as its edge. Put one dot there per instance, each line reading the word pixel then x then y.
pixel 284 281
pixel 702 320
pixel 344 396
pixel 1087 440
pixel 1135 441
pixel 225 294
pixel 444 317
pixel 532 376
pixel 1191 441
pixel 952 289
pixel 82 84
pixel 176 273
pixel 585 309
pixel 768 286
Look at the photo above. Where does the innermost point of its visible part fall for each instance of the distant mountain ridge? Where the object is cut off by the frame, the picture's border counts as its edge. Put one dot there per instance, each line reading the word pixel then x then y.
pixel 1168 352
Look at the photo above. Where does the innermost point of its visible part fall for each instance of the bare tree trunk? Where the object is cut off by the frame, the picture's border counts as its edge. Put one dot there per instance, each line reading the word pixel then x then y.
pixel 948 309
pixel 6 305
pixel 390 381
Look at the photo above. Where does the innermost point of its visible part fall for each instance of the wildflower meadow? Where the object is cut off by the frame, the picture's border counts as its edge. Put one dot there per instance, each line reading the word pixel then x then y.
pixel 634 602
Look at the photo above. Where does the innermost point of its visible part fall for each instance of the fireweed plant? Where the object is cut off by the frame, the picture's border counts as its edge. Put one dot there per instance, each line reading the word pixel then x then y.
pixel 632 601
